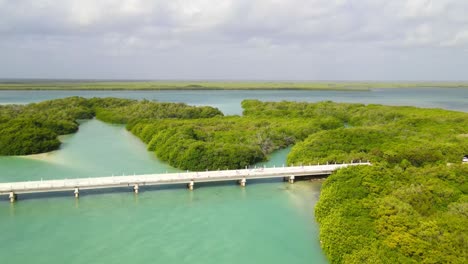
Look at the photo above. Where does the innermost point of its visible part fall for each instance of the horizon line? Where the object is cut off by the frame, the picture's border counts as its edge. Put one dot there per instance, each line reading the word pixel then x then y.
pixel 213 80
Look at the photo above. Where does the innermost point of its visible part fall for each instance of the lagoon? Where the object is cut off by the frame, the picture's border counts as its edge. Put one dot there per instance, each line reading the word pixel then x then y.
pixel 269 221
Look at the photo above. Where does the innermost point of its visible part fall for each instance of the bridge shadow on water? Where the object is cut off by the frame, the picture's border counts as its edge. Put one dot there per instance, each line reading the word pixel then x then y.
pixel 150 188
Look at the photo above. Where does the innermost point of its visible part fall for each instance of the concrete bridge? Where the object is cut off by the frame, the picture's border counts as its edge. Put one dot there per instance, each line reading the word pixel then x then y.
pixel 12 189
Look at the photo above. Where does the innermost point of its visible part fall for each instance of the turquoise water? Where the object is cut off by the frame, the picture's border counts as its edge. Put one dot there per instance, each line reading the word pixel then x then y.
pixel 263 223
pixel 98 149
pixel 267 222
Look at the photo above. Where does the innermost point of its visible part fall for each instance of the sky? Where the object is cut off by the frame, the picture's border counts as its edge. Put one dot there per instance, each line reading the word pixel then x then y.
pixel 235 39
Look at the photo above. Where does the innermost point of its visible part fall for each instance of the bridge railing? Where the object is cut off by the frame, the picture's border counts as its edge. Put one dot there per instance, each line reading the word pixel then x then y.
pixel 169 178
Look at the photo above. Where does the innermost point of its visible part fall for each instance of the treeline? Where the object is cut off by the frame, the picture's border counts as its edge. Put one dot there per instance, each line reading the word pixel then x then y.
pixel 33 128
pixel 223 143
pixel 149 110
pixel 325 132
pixel 395 144
pixel 392 134
pixel 216 85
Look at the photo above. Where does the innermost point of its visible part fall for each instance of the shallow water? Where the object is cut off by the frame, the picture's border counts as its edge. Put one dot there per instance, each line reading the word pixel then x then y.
pixel 98 149
pixel 268 221
pixel 263 223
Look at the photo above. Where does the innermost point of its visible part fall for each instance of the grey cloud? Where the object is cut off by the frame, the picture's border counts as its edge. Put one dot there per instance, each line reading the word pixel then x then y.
pixel 314 37
pixel 280 20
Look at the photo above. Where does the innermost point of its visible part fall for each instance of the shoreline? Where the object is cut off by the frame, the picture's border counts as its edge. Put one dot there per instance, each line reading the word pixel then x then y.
pixel 46 156
pixel 219 85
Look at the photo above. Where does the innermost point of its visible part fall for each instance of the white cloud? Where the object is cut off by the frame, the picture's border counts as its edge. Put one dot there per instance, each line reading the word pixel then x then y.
pixel 423 8
pixel 420 35
pixel 460 39
pixel 200 14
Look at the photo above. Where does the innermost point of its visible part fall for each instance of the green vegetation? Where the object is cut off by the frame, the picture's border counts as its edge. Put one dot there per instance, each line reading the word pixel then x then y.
pixel 148 110
pixel 381 214
pixel 33 128
pixel 410 206
pixel 396 135
pixel 215 85
pixel 223 143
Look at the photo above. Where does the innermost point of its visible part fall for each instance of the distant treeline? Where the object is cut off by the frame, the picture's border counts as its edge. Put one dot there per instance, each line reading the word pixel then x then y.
pixel 215 85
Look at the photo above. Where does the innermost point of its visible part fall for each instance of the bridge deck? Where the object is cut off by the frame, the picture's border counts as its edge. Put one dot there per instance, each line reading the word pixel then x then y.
pixel 168 178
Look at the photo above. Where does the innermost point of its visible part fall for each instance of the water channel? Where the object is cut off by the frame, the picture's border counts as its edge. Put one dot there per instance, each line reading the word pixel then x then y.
pixel 267 222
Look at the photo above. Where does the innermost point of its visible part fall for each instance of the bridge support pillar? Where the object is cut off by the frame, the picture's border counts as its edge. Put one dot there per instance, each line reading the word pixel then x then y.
pixel 77 193
pixel 12 197
pixel 291 179
pixel 190 185
pixel 136 188
pixel 242 182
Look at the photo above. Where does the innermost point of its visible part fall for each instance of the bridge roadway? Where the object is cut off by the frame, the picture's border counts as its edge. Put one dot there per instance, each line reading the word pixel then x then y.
pixel 189 178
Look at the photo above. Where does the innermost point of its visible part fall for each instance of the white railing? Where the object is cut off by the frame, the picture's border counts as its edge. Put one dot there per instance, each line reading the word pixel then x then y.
pixel 171 178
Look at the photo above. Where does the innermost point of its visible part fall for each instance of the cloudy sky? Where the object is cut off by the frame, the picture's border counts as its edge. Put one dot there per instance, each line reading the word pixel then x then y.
pixel 235 39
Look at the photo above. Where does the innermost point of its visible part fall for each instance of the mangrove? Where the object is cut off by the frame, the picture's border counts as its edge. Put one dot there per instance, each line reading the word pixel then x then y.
pixel 34 128
pixel 410 206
